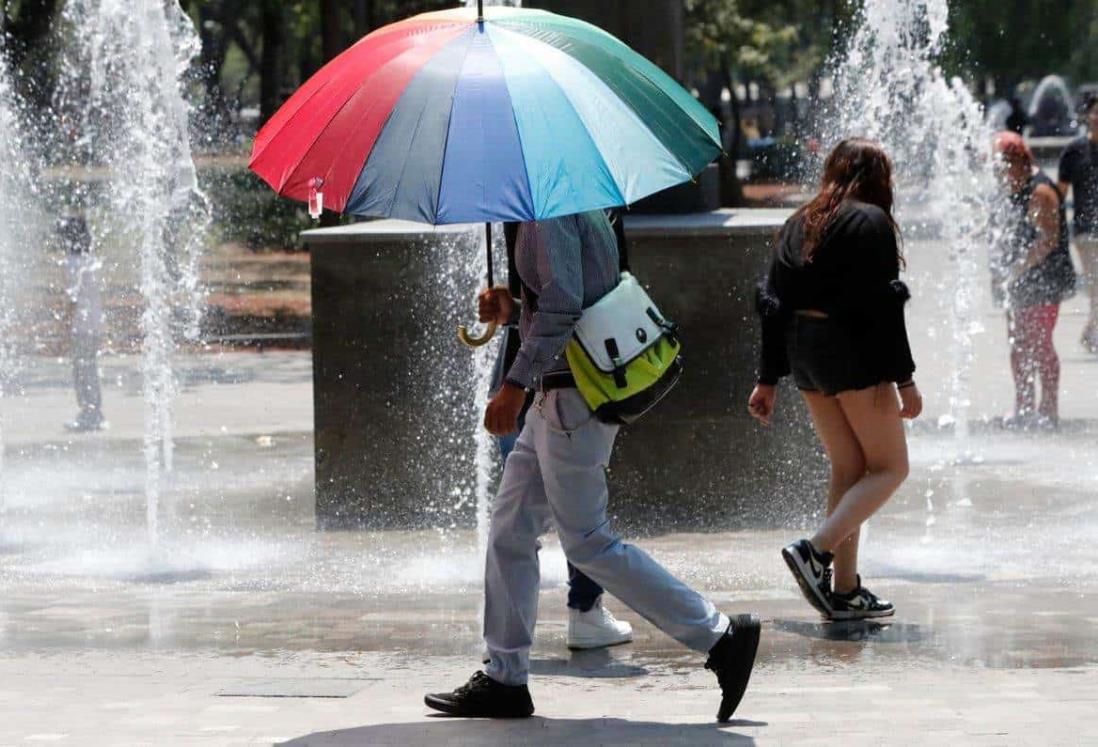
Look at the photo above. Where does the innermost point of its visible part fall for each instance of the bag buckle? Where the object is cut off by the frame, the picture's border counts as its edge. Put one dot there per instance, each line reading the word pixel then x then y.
pixel 615 357
pixel 670 329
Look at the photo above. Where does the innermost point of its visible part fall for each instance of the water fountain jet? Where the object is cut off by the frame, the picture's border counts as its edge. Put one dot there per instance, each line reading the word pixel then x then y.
pixel 122 71
pixel 18 217
pixel 889 86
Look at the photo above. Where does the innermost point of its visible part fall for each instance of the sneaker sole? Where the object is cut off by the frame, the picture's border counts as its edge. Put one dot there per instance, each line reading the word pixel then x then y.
pixel 803 578
pixel 453 709
pixel 750 628
pixel 860 615
pixel 579 644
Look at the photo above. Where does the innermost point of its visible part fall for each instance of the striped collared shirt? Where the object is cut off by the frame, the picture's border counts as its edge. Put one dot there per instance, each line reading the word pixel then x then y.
pixel 570 263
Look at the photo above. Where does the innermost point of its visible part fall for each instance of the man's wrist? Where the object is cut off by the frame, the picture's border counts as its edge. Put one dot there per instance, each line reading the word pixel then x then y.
pixel 510 383
pixel 520 373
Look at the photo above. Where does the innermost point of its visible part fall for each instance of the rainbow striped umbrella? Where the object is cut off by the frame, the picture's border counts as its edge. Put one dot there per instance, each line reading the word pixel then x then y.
pixel 466 116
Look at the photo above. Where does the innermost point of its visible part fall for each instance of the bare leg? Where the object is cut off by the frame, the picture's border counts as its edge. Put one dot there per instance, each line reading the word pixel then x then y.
pixel 848 466
pixel 874 416
pixel 1023 360
pixel 1048 362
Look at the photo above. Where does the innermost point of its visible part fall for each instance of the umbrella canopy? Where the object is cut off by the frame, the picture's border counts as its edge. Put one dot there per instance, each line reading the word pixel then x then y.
pixel 524 115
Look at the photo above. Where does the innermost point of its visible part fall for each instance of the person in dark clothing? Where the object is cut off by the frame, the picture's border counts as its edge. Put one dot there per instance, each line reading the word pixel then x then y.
pixel 1018 119
pixel 1052 117
pixel 1032 274
pixel 832 315
pixel 590 624
pixel 1079 174
pixel 86 324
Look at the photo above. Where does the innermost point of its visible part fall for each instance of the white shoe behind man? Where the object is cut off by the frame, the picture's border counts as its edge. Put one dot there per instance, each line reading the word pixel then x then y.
pixel 596 628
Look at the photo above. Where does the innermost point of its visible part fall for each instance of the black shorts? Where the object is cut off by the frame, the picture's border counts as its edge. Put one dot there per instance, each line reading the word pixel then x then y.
pixel 824 357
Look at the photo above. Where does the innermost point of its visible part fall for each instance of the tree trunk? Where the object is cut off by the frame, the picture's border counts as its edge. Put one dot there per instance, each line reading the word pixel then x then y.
pixel 270 62
pixel 731 189
pixel 28 32
pixel 30 28
pixel 331 30
pixel 215 46
pixel 363 11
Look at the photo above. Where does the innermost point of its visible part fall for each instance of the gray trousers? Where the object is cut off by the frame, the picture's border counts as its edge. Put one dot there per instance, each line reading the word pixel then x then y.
pixel 556 476
pixel 85 374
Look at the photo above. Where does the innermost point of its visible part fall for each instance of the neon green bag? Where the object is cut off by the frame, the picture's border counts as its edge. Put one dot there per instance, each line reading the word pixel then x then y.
pixel 624 355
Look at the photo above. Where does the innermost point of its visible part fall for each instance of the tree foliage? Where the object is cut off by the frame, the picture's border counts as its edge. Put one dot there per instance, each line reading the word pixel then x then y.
pixel 256 51
pixel 1008 42
pixel 777 42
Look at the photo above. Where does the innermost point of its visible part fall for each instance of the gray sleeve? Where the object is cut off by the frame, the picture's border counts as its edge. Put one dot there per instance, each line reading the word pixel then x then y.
pixel 557 246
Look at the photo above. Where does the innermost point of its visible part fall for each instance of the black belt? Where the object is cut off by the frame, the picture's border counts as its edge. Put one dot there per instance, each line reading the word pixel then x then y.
pixel 557 380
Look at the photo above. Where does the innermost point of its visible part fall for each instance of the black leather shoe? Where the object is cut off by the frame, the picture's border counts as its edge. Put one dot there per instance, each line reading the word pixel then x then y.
pixel 732 659
pixel 483 697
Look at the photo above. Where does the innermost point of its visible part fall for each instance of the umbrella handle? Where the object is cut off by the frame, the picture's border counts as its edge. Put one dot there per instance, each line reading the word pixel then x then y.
pixel 475 342
pixel 489 332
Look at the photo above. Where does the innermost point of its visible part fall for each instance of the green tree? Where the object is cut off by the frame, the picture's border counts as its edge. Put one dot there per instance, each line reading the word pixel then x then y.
pixel 26 26
pixel 725 43
pixel 1009 42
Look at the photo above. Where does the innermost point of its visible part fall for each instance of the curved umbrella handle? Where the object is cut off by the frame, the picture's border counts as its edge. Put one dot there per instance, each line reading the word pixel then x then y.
pixel 475 342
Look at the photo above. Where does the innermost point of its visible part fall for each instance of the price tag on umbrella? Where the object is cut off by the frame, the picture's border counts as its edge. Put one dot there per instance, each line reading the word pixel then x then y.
pixel 316 198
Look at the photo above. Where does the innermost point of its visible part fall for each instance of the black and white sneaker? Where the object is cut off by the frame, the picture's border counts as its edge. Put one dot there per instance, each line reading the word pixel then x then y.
pixel 483 697
pixel 812 570
pixel 860 604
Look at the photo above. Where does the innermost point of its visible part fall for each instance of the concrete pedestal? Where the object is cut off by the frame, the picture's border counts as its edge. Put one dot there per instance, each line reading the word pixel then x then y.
pixel 393 387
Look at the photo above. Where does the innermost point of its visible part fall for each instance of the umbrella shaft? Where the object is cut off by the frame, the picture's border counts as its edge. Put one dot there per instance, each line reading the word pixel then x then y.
pixel 488 243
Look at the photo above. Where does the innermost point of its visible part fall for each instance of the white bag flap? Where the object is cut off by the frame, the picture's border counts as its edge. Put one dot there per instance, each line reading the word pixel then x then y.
pixel 623 315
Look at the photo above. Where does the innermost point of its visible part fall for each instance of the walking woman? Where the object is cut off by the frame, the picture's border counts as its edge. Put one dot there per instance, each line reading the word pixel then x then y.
pixel 1032 274
pixel 832 315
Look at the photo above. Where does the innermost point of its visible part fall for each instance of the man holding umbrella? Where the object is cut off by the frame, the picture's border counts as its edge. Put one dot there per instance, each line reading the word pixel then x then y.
pixel 590 624
pixel 556 476
pixel 510 115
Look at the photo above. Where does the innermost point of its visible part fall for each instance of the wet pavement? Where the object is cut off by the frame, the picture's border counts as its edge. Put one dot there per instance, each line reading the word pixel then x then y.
pixel 246 626
pixel 252 628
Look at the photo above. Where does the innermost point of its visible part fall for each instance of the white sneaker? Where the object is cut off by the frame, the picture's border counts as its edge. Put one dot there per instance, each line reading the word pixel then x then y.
pixel 596 628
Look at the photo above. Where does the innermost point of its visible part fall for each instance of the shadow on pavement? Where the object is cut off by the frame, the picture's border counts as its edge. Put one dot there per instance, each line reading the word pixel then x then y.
pixel 594 664
pixel 445 730
pixel 854 630
pixel 12 547
pixel 170 577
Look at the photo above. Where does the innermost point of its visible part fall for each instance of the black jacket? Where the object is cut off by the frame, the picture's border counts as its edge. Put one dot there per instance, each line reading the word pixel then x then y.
pixel 854 278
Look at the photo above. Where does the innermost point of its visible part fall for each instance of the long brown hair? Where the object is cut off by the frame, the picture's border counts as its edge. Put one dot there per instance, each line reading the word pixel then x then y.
pixel 857 169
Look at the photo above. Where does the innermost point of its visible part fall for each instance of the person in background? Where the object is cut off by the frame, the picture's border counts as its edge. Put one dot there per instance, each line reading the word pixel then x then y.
pixel 1018 120
pixel 1052 118
pixel 1079 176
pixel 590 624
pixel 86 325
pixel 832 315
pixel 1032 274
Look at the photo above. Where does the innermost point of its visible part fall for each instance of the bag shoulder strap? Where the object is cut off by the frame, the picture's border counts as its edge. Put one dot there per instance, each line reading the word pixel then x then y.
pixel 617 221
